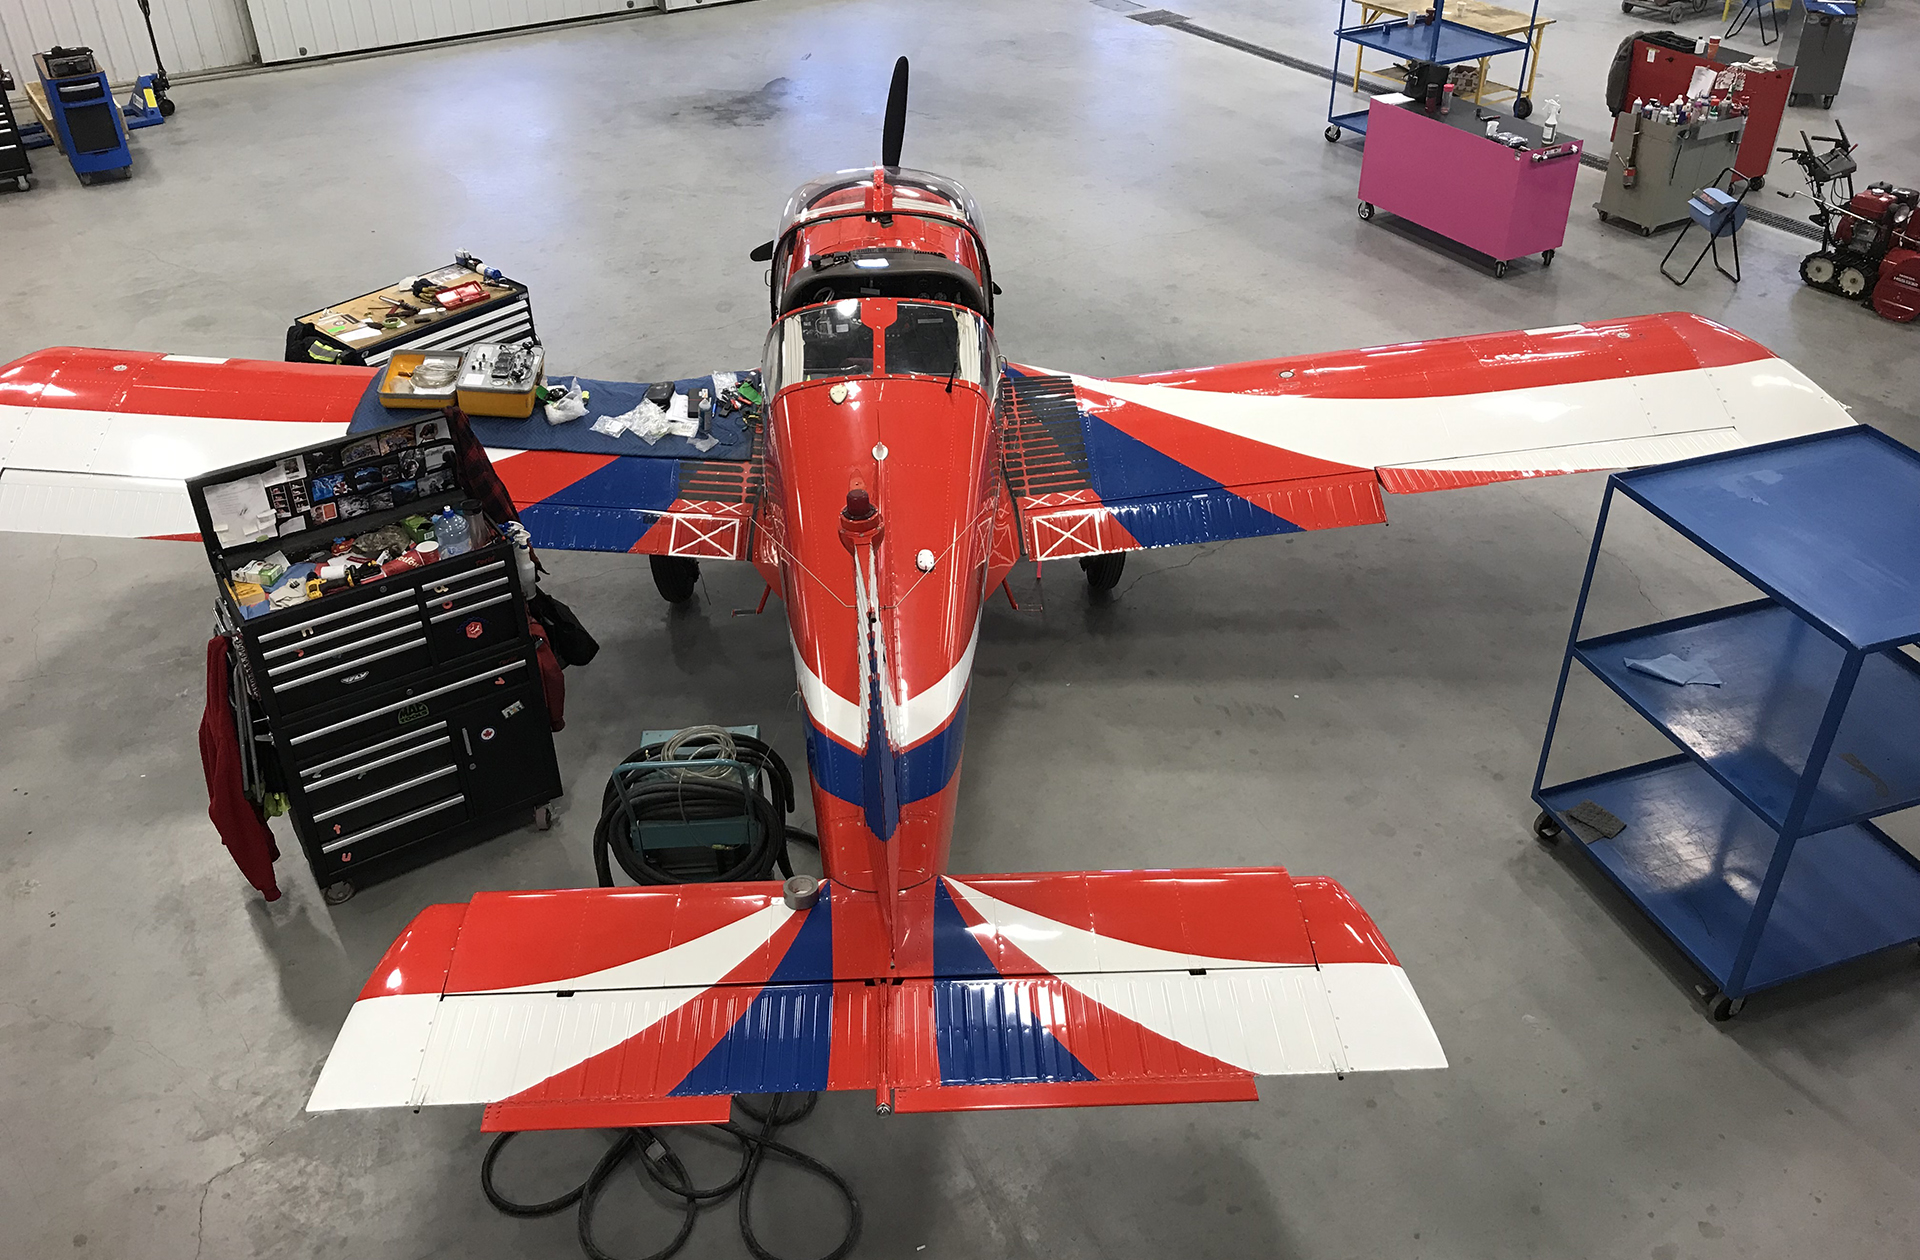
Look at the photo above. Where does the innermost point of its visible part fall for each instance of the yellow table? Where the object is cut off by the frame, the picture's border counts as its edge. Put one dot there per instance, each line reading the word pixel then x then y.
pixel 1490 18
pixel 37 97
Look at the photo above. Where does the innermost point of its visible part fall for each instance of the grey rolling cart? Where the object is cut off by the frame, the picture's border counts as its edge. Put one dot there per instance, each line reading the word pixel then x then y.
pixel 1816 38
pixel 1656 167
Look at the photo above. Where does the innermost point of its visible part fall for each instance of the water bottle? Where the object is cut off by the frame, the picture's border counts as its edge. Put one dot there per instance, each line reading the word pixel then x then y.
pixel 453 533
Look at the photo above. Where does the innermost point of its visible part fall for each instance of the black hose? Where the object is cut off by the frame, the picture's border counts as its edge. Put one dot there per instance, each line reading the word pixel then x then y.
pixel 667 1171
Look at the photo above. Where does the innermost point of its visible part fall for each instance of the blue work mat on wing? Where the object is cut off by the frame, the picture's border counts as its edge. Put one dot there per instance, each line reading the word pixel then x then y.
pixel 604 398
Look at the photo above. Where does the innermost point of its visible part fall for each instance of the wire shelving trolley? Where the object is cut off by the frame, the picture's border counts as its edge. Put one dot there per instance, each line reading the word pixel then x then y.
pixel 1437 40
pixel 1753 848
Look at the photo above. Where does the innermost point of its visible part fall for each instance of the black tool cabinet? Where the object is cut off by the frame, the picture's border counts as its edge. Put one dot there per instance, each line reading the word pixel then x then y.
pixel 14 163
pixel 407 714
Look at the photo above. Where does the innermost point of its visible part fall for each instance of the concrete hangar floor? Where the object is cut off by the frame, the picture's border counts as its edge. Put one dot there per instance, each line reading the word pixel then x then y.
pixel 1364 704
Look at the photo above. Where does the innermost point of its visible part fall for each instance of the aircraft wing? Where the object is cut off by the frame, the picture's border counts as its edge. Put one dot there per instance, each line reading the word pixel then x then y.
pixel 608 1007
pixel 1315 441
pixel 101 441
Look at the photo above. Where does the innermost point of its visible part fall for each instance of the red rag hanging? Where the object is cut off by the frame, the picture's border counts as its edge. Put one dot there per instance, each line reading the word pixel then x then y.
pixel 242 827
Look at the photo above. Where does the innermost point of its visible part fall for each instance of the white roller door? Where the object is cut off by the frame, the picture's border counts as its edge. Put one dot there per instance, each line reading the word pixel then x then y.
pixel 193 34
pixel 291 29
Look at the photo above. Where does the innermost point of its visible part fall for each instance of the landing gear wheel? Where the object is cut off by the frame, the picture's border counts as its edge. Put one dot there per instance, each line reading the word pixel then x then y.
pixel 1500 270
pixel 1103 572
pixel 337 893
pixel 1522 106
pixel 1366 210
pixel 1817 270
pixel 1332 133
pixel 1721 1008
pixel 1546 259
pixel 542 818
pixel 675 577
pixel 1546 828
pixel 1851 282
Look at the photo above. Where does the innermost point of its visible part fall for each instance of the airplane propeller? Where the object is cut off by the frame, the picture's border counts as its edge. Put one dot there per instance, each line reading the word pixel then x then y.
pixel 893 134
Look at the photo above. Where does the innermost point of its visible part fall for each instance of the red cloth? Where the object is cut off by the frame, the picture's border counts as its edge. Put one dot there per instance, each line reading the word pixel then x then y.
pixel 242 827
pixel 552 682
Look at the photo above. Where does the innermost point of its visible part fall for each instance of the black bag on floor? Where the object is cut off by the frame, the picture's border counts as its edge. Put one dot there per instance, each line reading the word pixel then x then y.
pixel 570 640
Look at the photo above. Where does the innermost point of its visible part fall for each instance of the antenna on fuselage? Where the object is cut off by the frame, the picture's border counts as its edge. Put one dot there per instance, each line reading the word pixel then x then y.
pixel 894 133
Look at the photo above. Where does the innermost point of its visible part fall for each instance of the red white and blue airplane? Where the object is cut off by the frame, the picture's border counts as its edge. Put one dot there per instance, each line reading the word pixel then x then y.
pixel 902 470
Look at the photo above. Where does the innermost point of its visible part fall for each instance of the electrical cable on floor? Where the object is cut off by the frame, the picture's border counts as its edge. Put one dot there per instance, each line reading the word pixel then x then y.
pixel 641 790
pixel 667 1171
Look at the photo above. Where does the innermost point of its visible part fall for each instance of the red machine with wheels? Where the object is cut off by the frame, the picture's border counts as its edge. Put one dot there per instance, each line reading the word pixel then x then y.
pixel 1870 241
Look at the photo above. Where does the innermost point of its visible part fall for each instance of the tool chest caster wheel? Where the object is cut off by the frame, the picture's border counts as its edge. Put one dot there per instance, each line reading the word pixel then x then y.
pixel 1546 259
pixel 542 818
pixel 1500 270
pixel 1366 210
pixel 1757 183
pixel 1646 231
pixel 337 893
pixel 22 182
pixel 1332 133
pixel 1721 1008
pixel 1546 828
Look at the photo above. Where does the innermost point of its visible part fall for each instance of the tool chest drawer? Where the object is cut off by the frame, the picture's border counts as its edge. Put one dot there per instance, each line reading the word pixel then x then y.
pixel 472 612
pixel 345 777
pixel 334 856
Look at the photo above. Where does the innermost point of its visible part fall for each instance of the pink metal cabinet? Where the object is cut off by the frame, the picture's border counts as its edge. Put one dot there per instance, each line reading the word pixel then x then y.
pixel 1442 172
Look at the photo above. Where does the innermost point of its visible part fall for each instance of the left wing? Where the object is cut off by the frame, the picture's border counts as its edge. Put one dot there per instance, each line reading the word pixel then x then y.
pixel 1315 441
pixel 101 442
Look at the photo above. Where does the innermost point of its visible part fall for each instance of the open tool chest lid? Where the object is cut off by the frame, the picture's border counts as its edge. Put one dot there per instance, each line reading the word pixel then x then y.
pixel 299 502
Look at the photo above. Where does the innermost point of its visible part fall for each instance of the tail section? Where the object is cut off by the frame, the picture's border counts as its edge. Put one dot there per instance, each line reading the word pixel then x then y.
pixel 610 1007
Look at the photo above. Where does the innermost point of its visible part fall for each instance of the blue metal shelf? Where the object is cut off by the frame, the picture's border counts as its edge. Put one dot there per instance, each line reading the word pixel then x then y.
pixel 1443 43
pixel 1355 122
pixel 1694 860
pixel 1753 732
pixel 1752 849
pixel 1440 41
pixel 1856 490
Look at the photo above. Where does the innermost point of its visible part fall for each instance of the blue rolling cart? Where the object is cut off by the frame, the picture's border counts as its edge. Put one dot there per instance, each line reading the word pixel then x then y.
pixel 1753 848
pixel 1438 42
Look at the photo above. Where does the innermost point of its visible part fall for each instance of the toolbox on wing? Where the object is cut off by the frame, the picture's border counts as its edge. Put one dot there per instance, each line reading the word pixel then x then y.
pixel 447 309
pixel 402 687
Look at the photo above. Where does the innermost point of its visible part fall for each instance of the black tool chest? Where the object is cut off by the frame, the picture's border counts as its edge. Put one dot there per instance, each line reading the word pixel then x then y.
pixel 14 163
pixel 406 713
pixel 505 314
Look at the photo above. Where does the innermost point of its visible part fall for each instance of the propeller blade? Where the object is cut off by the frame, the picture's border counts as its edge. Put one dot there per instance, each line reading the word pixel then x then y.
pixel 895 131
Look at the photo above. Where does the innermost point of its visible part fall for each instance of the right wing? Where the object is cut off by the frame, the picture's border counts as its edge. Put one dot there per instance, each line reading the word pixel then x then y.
pixel 1315 441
